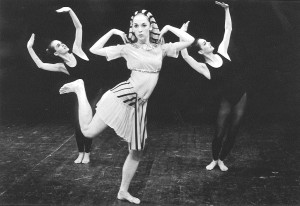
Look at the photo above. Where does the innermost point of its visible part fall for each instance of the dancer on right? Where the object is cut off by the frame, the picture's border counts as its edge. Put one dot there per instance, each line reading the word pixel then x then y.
pixel 227 79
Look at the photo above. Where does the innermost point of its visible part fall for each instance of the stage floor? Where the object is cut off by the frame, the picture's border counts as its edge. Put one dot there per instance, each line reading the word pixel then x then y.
pixel 36 167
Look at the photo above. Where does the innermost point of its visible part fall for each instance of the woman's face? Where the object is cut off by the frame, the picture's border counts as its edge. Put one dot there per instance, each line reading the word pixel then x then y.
pixel 59 47
pixel 141 28
pixel 205 47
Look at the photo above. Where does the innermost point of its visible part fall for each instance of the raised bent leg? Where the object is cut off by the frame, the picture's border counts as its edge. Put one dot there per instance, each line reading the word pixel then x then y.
pixel 129 169
pixel 90 126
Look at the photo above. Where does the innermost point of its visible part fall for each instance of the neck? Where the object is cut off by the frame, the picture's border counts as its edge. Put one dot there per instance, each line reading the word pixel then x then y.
pixel 210 57
pixel 66 57
pixel 143 42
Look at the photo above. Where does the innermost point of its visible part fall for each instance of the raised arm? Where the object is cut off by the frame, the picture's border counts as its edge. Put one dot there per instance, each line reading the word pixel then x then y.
pixel 77 45
pixel 223 47
pixel 197 66
pixel 98 47
pixel 58 67
pixel 187 39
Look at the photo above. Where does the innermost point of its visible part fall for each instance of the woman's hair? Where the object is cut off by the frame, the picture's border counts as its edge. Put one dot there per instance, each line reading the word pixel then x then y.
pixel 50 49
pixel 154 33
pixel 196 43
pixel 194 50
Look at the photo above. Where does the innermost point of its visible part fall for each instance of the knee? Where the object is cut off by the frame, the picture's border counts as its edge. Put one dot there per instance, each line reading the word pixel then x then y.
pixel 136 155
pixel 239 113
pixel 88 133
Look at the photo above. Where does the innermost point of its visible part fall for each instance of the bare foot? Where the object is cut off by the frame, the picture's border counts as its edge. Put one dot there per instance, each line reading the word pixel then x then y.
pixel 222 166
pixel 72 87
pixel 122 195
pixel 79 158
pixel 212 165
pixel 86 158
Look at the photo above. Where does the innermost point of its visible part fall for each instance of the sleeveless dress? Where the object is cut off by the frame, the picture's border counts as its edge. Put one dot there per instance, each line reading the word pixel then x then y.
pixel 123 107
pixel 227 80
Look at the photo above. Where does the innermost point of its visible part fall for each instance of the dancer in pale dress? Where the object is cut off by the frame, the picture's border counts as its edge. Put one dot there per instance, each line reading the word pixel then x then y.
pixel 123 107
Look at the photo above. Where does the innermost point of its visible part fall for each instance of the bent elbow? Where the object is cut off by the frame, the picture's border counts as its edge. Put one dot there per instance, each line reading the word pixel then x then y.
pixel 92 50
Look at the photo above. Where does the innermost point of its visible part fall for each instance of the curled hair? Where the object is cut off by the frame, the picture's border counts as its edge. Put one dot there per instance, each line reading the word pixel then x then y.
pixel 154 33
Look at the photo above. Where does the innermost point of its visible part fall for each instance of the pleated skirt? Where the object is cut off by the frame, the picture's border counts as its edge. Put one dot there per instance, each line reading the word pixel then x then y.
pixel 121 109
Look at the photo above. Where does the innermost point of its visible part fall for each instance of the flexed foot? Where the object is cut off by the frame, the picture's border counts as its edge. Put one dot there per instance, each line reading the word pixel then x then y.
pixel 222 166
pixel 79 158
pixel 212 165
pixel 75 86
pixel 86 158
pixel 122 195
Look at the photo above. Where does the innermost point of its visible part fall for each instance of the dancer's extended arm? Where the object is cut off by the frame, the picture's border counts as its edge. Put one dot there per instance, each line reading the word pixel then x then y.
pixel 187 39
pixel 77 45
pixel 197 66
pixel 98 47
pixel 223 47
pixel 58 67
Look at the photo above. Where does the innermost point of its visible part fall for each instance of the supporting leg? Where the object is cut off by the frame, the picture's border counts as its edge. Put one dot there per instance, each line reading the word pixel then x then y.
pixel 129 169
pixel 237 114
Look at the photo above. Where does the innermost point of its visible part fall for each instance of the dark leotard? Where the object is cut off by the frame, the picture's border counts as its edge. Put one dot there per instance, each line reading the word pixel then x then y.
pixel 227 80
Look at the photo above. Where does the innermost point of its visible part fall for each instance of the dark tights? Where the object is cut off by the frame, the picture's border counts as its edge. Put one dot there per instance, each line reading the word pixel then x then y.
pixel 228 122
pixel 84 144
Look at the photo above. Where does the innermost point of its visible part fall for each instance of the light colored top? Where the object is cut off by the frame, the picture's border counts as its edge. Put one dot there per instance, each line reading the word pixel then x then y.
pixel 145 65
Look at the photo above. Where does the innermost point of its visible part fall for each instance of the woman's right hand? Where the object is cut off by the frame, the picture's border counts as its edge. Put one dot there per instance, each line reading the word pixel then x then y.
pixel 121 34
pixel 63 9
pixel 222 4
pixel 31 41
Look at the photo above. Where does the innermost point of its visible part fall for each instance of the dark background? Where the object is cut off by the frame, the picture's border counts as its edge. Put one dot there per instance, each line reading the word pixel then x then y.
pixel 265 39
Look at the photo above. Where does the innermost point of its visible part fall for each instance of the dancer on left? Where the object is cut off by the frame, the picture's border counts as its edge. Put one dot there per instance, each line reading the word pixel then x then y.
pixel 74 64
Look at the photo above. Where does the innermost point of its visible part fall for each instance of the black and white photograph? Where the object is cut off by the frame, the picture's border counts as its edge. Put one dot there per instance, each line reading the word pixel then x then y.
pixel 149 102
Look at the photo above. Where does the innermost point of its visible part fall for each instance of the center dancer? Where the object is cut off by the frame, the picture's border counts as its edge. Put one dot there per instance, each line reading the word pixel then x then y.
pixel 123 107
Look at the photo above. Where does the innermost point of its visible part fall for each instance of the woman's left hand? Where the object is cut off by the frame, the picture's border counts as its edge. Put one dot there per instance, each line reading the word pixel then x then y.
pixel 63 9
pixel 185 26
pixel 222 4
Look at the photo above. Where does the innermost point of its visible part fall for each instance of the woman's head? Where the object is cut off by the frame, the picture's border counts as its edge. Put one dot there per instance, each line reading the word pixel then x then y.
pixel 143 27
pixel 204 47
pixel 57 48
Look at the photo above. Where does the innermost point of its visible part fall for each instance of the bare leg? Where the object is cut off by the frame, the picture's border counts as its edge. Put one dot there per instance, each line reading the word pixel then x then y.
pixel 129 169
pixel 90 126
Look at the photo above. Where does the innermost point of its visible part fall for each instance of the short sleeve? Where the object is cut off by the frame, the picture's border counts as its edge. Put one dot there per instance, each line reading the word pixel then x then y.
pixel 170 50
pixel 114 52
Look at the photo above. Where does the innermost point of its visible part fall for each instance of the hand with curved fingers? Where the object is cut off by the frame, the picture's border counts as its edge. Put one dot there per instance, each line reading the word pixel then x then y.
pixel 63 9
pixel 121 34
pixel 163 31
pixel 31 41
pixel 222 4
pixel 185 26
